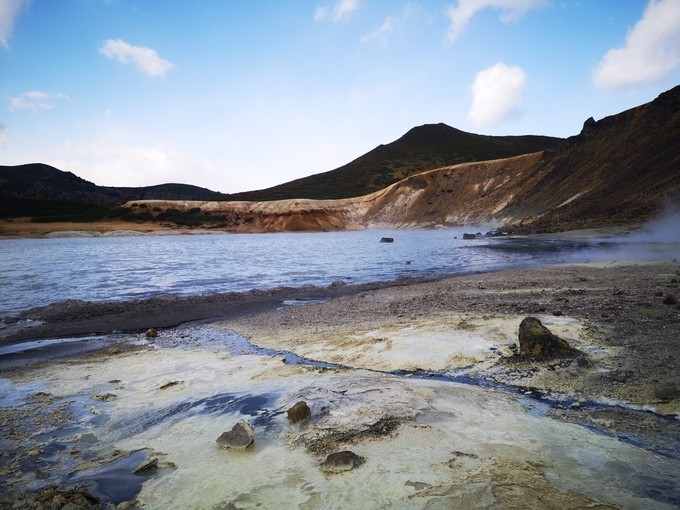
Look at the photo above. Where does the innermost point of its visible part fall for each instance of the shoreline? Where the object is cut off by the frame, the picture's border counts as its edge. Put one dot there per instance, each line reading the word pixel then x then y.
pixel 618 307
pixel 23 228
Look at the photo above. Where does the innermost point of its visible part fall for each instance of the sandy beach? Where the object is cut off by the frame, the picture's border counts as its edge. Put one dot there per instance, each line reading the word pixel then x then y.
pixel 403 368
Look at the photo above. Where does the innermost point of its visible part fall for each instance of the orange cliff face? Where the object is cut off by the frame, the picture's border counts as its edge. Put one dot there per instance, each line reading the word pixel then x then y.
pixel 455 195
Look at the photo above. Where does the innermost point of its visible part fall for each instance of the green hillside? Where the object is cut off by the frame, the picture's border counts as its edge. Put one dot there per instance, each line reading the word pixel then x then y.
pixel 422 148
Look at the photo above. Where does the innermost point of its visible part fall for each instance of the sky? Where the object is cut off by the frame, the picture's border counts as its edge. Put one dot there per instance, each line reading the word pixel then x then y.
pixel 237 95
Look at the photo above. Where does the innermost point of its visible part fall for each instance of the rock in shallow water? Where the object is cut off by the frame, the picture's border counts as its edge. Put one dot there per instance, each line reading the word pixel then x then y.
pixel 299 412
pixel 240 437
pixel 537 340
pixel 341 461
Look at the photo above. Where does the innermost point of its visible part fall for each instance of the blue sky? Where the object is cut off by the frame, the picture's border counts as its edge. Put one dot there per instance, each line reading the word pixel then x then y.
pixel 241 95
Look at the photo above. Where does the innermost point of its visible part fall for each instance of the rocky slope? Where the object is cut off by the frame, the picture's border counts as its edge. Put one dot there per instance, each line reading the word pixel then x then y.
pixel 619 170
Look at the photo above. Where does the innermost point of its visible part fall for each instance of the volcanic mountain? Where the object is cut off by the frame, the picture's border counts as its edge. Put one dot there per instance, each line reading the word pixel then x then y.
pixel 619 170
pixel 422 148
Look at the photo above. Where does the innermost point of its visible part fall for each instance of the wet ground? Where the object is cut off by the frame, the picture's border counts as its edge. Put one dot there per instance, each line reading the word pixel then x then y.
pixel 426 390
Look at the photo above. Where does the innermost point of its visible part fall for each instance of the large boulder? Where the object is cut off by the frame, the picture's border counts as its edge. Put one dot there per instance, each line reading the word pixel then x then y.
pixel 240 437
pixel 537 340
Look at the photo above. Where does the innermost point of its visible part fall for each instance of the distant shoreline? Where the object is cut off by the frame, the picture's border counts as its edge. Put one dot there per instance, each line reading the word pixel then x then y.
pixel 23 228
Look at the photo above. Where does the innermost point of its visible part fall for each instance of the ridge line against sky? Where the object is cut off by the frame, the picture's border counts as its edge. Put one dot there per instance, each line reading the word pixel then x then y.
pixel 235 96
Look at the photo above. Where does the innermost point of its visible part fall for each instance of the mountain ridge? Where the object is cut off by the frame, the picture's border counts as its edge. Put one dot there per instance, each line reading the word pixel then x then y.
pixel 620 170
pixel 420 148
pixel 44 182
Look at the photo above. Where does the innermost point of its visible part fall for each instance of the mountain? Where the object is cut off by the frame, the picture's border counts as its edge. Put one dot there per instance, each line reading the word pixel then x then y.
pixel 620 170
pixel 421 148
pixel 37 181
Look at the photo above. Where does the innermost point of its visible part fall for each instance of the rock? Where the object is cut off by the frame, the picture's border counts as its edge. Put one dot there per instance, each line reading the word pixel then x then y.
pixel 299 412
pixel 341 461
pixel 150 463
pixel 169 384
pixel 537 340
pixel 667 391
pixel 469 236
pixel 658 293
pixel 151 333
pixel 387 239
pixel 105 397
pixel 240 437
pixel 670 299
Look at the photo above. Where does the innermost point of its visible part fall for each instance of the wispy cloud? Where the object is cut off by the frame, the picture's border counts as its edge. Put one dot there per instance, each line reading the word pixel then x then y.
pixel 37 100
pixel 9 12
pixel 497 94
pixel 146 60
pixel 652 49
pixel 4 130
pixel 380 34
pixel 461 13
pixel 341 11
pixel 114 159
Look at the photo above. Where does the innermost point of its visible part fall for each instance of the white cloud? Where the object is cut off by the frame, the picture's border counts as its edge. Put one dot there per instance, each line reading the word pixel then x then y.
pixel 113 160
pixel 461 14
pixel 651 51
pixel 144 59
pixel 341 11
pixel 497 95
pixel 9 12
pixel 37 100
pixel 379 34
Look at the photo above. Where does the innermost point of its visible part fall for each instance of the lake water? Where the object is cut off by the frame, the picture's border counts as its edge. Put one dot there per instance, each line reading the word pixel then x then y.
pixel 36 272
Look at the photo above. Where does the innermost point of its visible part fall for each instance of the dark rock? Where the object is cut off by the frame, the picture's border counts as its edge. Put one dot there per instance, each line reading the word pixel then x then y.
pixel 537 340
pixel 299 412
pixel 105 397
pixel 148 464
pixel 469 236
pixel 558 313
pixel 387 239
pixel 169 384
pixel 341 461
pixel 670 299
pixel 588 125
pixel 240 437
pixel 667 391
pixel 151 333
pixel 658 293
